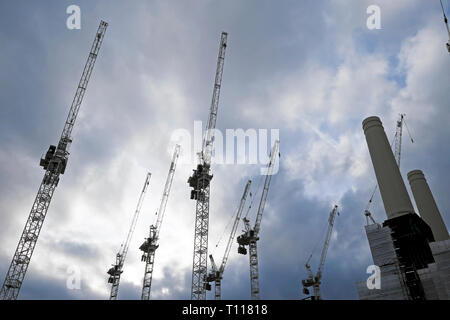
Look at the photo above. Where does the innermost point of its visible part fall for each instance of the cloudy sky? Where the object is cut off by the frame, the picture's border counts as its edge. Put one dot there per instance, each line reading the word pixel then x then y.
pixel 311 69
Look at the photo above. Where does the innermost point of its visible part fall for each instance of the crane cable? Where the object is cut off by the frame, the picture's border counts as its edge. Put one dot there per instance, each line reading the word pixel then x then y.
pixel 317 244
pixel 231 219
pixel 407 129
pixel 371 197
pixel 257 189
pixel 253 196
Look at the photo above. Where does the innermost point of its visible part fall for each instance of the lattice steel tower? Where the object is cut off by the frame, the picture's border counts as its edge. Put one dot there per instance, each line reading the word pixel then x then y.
pixel 116 270
pixel 200 182
pixel 151 243
pixel 398 137
pixel 251 236
pixel 315 280
pixel 54 164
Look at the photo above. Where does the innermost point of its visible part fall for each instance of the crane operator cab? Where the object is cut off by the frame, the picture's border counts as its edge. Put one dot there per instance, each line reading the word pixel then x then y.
pixel 199 180
pixel 48 156
pixel 244 240
pixel 147 247
pixel 113 272
pixel 206 281
pixel 53 161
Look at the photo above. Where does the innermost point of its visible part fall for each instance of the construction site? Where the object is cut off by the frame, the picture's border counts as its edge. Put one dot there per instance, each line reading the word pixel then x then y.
pixel 286 258
pixel 412 251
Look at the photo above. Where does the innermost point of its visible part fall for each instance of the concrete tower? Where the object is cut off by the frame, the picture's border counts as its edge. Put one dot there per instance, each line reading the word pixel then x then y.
pixel 392 188
pixel 426 205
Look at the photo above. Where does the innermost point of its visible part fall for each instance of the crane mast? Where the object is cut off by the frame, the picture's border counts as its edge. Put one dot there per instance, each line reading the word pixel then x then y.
pixel 250 237
pixel 54 164
pixel 200 182
pixel 312 280
pixel 216 274
pixel 151 243
pixel 116 270
pixel 398 139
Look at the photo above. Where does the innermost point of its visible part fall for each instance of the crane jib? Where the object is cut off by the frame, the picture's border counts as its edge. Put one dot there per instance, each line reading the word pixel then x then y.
pixel 117 268
pixel 209 134
pixel 151 243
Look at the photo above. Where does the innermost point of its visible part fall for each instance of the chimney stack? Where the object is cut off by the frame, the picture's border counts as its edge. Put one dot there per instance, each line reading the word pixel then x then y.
pixel 426 205
pixel 392 188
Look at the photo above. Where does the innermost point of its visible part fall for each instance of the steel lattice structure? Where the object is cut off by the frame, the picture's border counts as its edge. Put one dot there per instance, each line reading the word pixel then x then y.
pixel 200 182
pixel 398 139
pixel 54 164
pixel 200 260
pixel 216 274
pixel 254 273
pixel 314 281
pixel 149 248
pixel 250 237
pixel 151 243
pixel 116 270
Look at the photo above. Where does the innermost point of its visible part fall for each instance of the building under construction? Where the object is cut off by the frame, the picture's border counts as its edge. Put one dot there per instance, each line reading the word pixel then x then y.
pixel 411 251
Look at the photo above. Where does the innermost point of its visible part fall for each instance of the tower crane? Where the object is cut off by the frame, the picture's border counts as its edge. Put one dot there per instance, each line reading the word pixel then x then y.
pixel 446 26
pixel 54 164
pixel 200 182
pixel 250 236
pixel 216 274
pixel 314 281
pixel 151 243
pixel 116 270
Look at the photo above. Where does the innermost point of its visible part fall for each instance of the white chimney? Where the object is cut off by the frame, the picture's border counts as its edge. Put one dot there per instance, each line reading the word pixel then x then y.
pixel 392 188
pixel 426 205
